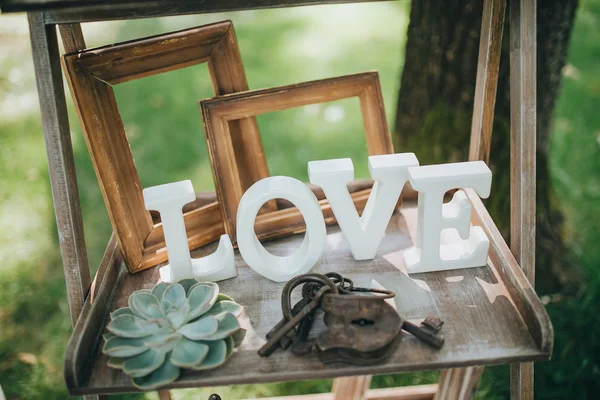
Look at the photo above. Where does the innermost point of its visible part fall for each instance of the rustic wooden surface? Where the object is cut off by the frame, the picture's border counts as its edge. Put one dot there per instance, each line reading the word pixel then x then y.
pixel 483 309
pixel 61 164
pixel 523 159
pixel 91 73
pixel 209 6
pixel 218 112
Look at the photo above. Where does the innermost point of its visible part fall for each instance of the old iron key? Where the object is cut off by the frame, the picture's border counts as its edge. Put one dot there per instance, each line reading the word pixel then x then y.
pixel 291 316
pixel 428 332
pixel 272 343
pixel 287 340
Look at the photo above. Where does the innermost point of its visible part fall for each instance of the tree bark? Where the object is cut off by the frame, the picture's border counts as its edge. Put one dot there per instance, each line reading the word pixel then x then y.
pixel 435 104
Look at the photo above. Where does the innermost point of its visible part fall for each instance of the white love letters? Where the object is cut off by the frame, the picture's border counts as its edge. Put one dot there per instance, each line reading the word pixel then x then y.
pixel 277 268
pixel 432 182
pixel 169 200
pixel 363 233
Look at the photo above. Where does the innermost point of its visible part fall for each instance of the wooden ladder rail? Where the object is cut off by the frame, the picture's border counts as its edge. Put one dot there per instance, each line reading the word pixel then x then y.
pixel 523 52
pixel 61 163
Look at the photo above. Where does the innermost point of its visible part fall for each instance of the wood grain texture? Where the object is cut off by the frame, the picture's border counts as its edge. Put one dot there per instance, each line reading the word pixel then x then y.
pixel 482 310
pixel 114 10
pixel 523 158
pixel 458 383
pixel 351 388
pixel 91 73
pixel 111 157
pixel 72 37
pixel 488 64
pixel 61 164
pixel 219 112
pixel 416 392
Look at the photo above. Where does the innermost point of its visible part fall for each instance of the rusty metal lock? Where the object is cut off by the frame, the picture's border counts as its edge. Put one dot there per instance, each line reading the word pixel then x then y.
pixel 362 330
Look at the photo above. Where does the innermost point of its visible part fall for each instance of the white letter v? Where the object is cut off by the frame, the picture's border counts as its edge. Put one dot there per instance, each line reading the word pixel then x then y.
pixel 390 173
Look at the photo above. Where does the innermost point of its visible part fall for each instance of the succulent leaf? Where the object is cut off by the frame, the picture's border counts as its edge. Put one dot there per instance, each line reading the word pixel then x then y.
pixel 225 306
pixel 130 326
pixel 124 347
pixel 175 296
pixel 159 289
pixel 217 355
pixel 228 325
pixel 121 311
pixel 222 297
pixel 230 346
pixel 145 305
pixel 200 329
pixel 187 284
pixel 188 353
pixel 116 362
pixel 238 337
pixel 107 336
pixel 164 375
pixel 166 341
pixel 201 297
pixel 176 317
pixel 144 363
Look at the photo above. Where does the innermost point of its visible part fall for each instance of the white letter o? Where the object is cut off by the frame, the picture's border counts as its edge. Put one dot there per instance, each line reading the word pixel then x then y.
pixel 277 268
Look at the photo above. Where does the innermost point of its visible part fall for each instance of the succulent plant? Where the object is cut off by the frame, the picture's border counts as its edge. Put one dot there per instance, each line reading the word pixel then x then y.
pixel 173 326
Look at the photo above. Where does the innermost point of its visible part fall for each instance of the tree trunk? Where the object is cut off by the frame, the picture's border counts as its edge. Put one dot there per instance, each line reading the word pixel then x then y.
pixel 435 104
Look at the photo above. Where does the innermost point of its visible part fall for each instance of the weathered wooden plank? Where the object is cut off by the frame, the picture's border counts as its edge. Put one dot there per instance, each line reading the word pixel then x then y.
pixel 113 9
pixel 484 324
pixel 523 158
pixel 488 64
pixel 72 37
pixel 61 164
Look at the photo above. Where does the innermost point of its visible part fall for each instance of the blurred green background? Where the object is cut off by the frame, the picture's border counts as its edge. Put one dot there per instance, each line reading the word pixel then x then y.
pixel 164 127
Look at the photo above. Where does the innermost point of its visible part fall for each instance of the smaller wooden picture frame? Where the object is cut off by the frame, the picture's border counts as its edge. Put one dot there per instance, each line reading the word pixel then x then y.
pixel 219 112
pixel 91 73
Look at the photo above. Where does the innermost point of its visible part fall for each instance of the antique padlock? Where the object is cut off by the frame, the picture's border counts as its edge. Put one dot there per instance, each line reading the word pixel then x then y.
pixel 362 330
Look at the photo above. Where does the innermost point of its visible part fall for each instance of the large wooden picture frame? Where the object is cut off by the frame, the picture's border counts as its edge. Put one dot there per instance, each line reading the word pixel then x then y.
pixel 91 74
pixel 218 113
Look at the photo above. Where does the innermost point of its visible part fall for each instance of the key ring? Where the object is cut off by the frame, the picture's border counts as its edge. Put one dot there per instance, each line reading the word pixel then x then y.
pixel 286 294
pixel 340 281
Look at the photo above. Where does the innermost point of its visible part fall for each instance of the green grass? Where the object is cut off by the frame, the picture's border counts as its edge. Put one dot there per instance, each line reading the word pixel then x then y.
pixel 278 47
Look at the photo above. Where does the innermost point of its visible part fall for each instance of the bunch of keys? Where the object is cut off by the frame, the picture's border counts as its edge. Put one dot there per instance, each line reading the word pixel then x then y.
pixel 362 329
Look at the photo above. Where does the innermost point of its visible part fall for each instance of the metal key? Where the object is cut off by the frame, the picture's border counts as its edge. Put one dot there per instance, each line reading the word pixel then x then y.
pixel 272 343
pixel 427 332
pixel 287 340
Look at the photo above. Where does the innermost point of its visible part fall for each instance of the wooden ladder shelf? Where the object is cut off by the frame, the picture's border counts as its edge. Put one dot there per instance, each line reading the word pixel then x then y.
pixel 492 313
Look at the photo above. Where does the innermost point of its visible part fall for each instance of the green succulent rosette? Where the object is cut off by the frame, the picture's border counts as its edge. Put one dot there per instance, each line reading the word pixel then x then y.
pixel 173 326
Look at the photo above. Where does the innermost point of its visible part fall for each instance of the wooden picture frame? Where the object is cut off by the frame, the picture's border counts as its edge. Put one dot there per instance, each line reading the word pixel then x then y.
pixel 91 74
pixel 218 113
